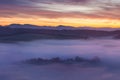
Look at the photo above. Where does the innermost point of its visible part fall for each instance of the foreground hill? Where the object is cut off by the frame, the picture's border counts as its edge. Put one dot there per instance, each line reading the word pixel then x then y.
pixel 27 34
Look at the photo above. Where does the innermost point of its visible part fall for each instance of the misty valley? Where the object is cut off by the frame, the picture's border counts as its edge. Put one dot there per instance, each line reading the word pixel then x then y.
pixel 96 59
pixel 59 39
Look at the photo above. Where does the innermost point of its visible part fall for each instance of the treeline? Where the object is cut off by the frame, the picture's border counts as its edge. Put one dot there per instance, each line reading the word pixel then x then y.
pixel 23 34
pixel 77 59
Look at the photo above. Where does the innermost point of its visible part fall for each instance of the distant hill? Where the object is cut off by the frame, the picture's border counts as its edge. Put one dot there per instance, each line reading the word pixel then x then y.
pixel 60 27
pixel 17 32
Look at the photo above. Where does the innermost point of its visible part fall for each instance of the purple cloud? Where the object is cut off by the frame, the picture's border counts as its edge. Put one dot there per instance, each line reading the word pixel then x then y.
pixel 60 8
pixel 10 2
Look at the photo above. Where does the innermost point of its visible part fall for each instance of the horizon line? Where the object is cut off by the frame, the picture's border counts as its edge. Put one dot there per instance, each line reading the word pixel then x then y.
pixel 61 25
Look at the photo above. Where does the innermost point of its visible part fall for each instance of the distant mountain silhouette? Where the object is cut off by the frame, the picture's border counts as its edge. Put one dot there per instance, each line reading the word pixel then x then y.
pixel 17 32
pixel 60 27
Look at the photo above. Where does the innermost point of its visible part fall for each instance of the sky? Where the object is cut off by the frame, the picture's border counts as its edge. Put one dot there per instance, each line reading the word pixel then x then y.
pixel 88 13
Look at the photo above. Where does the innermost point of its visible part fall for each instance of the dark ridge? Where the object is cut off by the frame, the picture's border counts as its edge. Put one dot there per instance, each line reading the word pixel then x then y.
pixel 8 34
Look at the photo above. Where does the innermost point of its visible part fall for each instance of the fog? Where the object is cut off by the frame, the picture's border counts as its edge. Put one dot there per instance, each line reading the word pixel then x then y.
pixel 13 53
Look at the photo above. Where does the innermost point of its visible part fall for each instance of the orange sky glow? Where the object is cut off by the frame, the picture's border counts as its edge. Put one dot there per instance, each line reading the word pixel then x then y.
pixel 62 21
